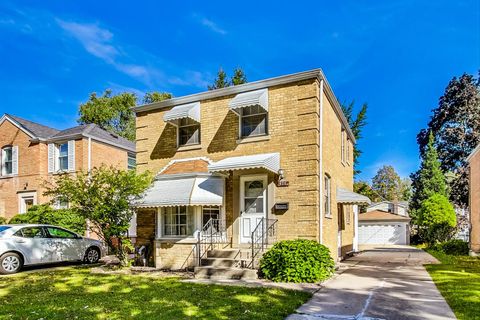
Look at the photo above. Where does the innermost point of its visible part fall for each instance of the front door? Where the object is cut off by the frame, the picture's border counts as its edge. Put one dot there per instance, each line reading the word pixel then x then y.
pixel 253 204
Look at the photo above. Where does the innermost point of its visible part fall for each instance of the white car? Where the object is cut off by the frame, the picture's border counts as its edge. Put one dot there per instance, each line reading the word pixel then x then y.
pixel 31 244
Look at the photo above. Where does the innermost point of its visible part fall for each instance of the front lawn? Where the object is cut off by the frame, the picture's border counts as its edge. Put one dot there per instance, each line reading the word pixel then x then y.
pixel 75 293
pixel 458 279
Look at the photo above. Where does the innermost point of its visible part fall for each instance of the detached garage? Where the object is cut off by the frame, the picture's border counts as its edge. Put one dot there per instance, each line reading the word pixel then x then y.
pixel 380 227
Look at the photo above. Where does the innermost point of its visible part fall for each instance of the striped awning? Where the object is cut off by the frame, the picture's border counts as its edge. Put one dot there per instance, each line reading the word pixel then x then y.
pixel 183 190
pixel 268 161
pixel 191 110
pixel 247 99
pixel 349 197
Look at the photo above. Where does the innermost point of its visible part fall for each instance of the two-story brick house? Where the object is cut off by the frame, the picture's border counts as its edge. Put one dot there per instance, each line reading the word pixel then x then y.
pixel 274 155
pixel 474 198
pixel 32 153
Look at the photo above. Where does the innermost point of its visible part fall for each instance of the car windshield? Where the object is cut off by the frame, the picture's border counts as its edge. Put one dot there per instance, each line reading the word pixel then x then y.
pixel 3 228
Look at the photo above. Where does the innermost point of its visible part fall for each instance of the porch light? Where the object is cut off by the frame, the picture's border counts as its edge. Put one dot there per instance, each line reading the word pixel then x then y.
pixel 281 173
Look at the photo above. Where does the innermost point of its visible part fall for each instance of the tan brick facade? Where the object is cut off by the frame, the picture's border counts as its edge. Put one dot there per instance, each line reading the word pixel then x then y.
pixel 293 132
pixel 33 166
pixel 475 202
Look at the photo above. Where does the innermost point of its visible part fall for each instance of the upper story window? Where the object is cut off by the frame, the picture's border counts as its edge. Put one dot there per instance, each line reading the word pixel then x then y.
pixel 343 149
pixel 253 121
pixel 9 164
pixel 131 161
pixel 348 150
pixel 327 196
pixel 61 156
pixel 188 132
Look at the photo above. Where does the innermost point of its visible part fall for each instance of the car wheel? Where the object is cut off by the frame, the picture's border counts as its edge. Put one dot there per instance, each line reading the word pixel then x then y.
pixel 10 263
pixel 92 255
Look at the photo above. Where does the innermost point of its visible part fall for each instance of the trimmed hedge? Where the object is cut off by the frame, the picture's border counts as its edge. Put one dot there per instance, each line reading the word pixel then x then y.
pixel 45 214
pixel 454 247
pixel 297 261
pixel 3 220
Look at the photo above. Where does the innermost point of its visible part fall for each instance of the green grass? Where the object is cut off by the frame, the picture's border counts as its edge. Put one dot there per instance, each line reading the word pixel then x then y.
pixel 75 293
pixel 458 279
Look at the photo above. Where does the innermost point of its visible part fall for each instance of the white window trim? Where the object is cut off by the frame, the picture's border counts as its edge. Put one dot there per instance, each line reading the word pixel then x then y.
pixel 197 211
pixel 240 118
pixel 3 163
pixel 26 196
pixel 348 150
pixel 328 195
pixel 71 157
pixel 189 144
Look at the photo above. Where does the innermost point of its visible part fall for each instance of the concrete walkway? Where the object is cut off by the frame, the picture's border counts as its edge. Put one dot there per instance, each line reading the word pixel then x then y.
pixel 379 283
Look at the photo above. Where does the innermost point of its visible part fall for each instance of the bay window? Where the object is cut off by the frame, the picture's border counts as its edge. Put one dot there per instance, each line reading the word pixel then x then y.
pixel 178 221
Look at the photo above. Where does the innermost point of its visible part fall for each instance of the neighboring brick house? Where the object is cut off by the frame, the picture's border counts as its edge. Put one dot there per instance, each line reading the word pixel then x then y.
pixel 32 153
pixel 276 153
pixel 474 165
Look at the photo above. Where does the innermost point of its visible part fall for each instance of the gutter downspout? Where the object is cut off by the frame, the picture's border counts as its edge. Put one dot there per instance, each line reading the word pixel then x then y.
pixel 320 143
pixel 89 168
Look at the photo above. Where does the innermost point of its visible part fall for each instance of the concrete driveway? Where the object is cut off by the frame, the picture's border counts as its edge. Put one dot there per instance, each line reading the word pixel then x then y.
pixel 387 282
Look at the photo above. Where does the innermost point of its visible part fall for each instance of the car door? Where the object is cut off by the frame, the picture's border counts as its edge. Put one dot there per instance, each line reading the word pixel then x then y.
pixel 68 246
pixel 33 244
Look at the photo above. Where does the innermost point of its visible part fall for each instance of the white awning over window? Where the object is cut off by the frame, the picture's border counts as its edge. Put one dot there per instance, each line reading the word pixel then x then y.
pixel 349 197
pixel 191 110
pixel 268 161
pixel 183 190
pixel 247 99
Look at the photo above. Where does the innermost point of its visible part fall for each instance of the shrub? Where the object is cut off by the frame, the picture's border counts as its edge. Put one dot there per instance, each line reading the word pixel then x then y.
pixel 297 261
pixel 3 220
pixel 437 219
pixel 454 247
pixel 45 214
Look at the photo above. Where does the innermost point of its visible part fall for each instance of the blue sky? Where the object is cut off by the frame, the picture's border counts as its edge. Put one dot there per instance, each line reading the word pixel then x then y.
pixel 397 56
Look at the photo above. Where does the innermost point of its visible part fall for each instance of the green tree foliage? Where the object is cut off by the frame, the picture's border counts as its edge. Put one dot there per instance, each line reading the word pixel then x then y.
pixel 428 180
pixel 387 184
pixel 3 220
pixel 221 81
pixel 297 261
pixel 356 122
pixel 151 97
pixel 111 112
pixel 455 125
pixel 437 219
pixel 238 77
pixel 105 197
pixel 45 214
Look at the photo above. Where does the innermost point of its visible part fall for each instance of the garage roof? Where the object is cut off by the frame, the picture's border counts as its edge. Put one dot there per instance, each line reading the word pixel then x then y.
pixel 378 215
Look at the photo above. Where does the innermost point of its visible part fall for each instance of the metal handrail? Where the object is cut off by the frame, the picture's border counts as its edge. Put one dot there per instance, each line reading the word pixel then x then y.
pixel 212 234
pixel 265 233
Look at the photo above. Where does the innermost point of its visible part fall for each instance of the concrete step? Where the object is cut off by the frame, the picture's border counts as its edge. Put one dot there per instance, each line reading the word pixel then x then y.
pixel 219 273
pixel 224 253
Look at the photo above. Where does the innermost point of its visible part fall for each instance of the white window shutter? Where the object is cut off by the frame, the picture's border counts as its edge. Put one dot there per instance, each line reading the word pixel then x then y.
pixel 51 158
pixel 15 160
pixel 71 155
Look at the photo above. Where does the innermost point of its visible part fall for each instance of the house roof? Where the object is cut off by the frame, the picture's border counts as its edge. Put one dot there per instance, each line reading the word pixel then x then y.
pixel 399 203
pixel 44 133
pixel 37 130
pixel 95 132
pixel 477 149
pixel 186 166
pixel 379 215
pixel 256 85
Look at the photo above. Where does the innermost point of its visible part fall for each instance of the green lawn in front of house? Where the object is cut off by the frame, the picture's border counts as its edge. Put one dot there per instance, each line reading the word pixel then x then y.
pixel 76 293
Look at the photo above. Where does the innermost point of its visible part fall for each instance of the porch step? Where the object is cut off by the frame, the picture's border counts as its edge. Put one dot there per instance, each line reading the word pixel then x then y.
pixel 220 273
pixel 224 262
pixel 224 253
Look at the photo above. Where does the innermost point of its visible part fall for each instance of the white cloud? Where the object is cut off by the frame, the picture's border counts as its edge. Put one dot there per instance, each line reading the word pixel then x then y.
pixel 209 24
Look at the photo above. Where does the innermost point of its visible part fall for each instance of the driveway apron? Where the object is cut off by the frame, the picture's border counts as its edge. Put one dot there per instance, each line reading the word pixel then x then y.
pixel 380 283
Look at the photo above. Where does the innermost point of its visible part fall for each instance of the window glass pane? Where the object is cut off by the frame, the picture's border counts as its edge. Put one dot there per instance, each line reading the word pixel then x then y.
pixel 178 221
pixel 210 213
pixel 254 205
pixel 253 188
pixel 60 233
pixel 189 135
pixel 7 153
pixel 7 161
pixel 254 125
pixel 132 162
pixel 63 163
pixel 63 150
pixel 30 232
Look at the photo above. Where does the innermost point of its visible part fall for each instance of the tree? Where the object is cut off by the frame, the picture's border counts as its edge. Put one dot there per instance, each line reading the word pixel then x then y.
pixel 151 97
pixel 105 196
pixel 111 112
pixel 428 180
pixel 455 125
pixel 221 81
pixel 364 188
pixel 239 77
pixel 356 123
pixel 437 219
pixel 405 189
pixel 386 184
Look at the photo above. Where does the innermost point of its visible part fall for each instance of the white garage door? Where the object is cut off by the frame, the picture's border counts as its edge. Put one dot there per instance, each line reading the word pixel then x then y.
pixel 394 233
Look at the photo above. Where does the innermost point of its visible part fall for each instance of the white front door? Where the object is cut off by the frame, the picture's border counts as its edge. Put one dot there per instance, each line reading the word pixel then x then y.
pixel 253 204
